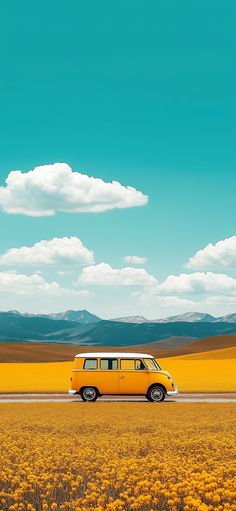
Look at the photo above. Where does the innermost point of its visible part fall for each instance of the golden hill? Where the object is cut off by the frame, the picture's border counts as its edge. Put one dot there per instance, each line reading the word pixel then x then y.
pixel 35 352
pixel 209 371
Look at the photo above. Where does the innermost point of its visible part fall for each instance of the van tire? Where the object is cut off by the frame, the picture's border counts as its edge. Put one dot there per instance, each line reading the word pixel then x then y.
pixel 156 394
pixel 89 394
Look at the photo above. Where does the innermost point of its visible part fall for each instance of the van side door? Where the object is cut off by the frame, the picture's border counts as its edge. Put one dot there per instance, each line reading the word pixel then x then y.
pixel 108 376
pixel 133 376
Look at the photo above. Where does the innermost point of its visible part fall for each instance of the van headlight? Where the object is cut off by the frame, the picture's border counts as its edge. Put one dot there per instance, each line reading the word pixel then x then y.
pixel 171 381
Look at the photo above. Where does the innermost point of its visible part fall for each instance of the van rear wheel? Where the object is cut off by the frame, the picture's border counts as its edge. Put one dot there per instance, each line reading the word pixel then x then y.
pixel 156 394
pixel 89 394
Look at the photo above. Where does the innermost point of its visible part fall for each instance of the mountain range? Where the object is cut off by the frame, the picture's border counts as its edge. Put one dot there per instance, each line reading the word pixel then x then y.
pixel 84 328
pixel 82 316
pixel 187 317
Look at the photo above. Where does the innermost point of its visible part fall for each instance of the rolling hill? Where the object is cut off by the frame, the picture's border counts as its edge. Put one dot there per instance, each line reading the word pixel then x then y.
pixel 35 352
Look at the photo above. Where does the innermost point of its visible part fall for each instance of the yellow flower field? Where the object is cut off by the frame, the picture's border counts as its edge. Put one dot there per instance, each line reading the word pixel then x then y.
pixel 212 371
pixel 35 377
pixel 117 457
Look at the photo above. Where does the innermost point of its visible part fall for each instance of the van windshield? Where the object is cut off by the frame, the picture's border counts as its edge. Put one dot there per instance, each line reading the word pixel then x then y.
pixel 152 364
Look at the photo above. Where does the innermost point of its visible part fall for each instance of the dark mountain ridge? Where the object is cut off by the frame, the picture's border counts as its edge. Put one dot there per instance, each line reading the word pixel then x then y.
pixel 15 327
pixel 111 333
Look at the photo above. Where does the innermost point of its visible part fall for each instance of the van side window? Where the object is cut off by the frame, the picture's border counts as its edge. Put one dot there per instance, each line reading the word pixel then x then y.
pixel 132 364
pixel 109 363
pixel 127 364
pixel 90 363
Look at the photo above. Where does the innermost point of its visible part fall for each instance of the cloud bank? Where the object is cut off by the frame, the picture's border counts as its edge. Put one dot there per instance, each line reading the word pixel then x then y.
pixel 199 282
pixel 60 251
pixel 104 275
pixel 187 290
pixel 20 284
pixel 221 255
pixel 48 189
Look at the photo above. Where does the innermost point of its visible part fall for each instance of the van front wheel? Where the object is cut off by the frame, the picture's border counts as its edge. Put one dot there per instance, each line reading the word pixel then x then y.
pixel 89 394
pixel 156 394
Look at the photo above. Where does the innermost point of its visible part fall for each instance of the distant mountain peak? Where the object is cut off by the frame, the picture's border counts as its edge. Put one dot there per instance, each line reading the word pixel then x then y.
pixel 230 318
pixel 131 319
pixel 83 317
pixel 188 317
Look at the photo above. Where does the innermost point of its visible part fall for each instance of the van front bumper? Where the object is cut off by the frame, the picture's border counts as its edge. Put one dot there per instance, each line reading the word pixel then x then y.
pixel 71 391
pixel 173 392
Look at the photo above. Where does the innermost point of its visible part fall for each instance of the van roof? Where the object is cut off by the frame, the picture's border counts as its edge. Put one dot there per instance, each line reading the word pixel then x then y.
pixel 109 354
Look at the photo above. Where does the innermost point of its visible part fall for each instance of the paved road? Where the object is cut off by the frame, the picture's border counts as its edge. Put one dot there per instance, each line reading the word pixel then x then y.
pixel 65 398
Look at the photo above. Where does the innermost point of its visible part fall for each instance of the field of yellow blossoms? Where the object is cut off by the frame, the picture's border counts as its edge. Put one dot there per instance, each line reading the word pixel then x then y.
pixel 117 456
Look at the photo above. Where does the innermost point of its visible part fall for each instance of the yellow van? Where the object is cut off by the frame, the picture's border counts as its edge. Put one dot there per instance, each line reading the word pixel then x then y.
pixel 96 374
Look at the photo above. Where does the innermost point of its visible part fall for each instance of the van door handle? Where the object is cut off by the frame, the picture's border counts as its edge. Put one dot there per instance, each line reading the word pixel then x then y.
pixel 121 377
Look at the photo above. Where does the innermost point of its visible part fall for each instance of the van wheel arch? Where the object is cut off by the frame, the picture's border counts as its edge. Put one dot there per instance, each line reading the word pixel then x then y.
pixel 159 385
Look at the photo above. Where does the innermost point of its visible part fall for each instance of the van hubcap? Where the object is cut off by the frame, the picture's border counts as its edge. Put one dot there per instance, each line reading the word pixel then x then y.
pixel 89 393
pixel 156 394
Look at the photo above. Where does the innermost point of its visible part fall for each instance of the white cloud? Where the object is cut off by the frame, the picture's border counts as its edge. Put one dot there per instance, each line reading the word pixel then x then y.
pixel 221 300
pixel 55 251
pixel 175 301
pixel 63 273
pixel 148 298
pixel 33 285
pixel 221 255
pixel 135 259
pixel 199 282
pixel 50 188
pixel 104 275
pixel 192 291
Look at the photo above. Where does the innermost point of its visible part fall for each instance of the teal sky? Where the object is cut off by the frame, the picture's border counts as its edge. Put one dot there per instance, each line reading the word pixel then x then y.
pixel 141 93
